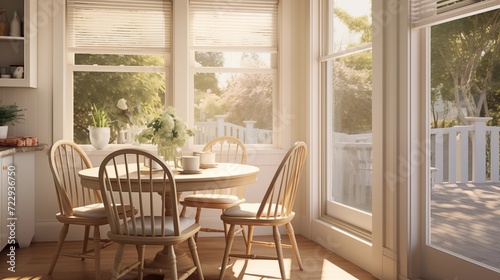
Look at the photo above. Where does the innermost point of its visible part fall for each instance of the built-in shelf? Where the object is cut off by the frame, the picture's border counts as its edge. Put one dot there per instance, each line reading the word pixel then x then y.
pixel 20 50
pixel 11 38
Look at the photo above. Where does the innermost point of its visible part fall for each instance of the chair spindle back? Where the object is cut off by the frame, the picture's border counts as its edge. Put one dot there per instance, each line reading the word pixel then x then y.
pixel 66 159
pixel 136 188
pixel 280 196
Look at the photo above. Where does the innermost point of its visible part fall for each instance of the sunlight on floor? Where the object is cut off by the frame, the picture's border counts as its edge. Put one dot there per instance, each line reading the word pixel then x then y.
pixel 331 271
pixel 266 269
pixel 256 269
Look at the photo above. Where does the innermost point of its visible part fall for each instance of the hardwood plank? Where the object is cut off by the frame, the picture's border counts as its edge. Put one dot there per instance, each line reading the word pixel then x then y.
pixel 320 263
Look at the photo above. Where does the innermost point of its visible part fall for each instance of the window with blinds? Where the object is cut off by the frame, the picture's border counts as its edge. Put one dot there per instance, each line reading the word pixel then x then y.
pixel 123 49
pixel 119 26
pixel 118 50
pixel 431 12
pixel 244 24
pixel 234 48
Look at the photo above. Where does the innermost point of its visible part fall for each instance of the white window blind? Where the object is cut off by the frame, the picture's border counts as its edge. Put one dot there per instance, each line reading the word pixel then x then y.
pixel 431 12
pixel 139 26
pixel 248 24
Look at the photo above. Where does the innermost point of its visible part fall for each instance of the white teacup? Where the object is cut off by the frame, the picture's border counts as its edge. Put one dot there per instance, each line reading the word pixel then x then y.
pixel 207 158
pixel 189 163
pixel 155 165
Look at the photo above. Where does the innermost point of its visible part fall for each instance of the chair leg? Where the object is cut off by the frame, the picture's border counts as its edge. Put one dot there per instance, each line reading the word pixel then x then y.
pixel 97 252
pixel 279 251
pixel 293 241
pixel 118 259
pixel 62 236
pixel 85 241
pixel 243 232
pixel 183 212
pixel 227 250
pixel 196 259
pixel 225 227
pixel 197 220
pixel 140 258
pixel 249 239
pixel 172 263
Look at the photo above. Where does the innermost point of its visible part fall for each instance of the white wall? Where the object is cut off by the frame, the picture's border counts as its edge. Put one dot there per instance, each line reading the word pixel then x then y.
pixel 39 102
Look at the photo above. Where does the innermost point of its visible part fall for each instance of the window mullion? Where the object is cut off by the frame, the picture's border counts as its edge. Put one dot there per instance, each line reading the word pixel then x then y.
pixel 350 51
pixel 115 50
pixel 122 69
pixel 233 70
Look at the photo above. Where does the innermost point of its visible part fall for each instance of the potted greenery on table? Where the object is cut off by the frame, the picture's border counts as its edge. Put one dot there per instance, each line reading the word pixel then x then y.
pixel 99 131
pixel 9 114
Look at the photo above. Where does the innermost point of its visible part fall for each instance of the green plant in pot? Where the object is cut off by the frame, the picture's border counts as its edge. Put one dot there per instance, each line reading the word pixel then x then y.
pixel 99 117
pixel 9 114
pixel 99 131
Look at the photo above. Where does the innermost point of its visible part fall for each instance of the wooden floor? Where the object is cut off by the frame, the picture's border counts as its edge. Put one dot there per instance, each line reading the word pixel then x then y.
pixel 465 220
pixel 33 262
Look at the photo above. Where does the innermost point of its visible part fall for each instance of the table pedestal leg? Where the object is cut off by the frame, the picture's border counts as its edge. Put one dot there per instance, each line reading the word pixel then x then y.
pixel 184 261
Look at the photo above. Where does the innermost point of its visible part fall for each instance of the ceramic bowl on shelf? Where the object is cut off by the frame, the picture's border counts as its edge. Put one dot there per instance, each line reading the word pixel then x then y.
pixel 5 76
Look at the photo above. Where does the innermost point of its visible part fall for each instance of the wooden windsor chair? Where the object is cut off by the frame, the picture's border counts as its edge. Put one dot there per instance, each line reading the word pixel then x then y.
pixel 77 205
pixel 274 210
pixel 157 221
pixel 229 150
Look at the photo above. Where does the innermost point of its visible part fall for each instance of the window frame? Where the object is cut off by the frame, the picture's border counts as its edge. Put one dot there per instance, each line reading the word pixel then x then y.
pixel 339 214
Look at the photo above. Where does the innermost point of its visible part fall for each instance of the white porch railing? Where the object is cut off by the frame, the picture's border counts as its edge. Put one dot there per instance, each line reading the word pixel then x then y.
pixel 463 154
pixel 206 131
pixel 352 163
pixel 459 154
pixel 248 134
pixel 353 173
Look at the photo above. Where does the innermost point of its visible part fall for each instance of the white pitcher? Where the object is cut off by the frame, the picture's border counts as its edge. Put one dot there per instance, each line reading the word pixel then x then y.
pixel 15 25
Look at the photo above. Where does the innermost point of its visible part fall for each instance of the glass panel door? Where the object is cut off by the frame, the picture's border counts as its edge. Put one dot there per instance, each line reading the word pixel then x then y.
pixel 463 197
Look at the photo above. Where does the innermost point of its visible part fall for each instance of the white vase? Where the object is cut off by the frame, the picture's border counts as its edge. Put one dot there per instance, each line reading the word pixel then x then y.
pixel 3 131
pixel 15 25
pixel 99 136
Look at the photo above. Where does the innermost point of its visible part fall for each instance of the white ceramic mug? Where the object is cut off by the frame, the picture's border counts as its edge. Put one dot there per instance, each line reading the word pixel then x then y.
pixel 189 163
pixel 207 158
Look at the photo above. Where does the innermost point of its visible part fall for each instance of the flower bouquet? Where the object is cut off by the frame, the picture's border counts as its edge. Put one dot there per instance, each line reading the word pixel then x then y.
pixel 167 131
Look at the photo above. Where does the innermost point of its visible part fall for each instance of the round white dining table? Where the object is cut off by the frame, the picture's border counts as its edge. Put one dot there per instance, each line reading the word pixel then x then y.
pixel 223 175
